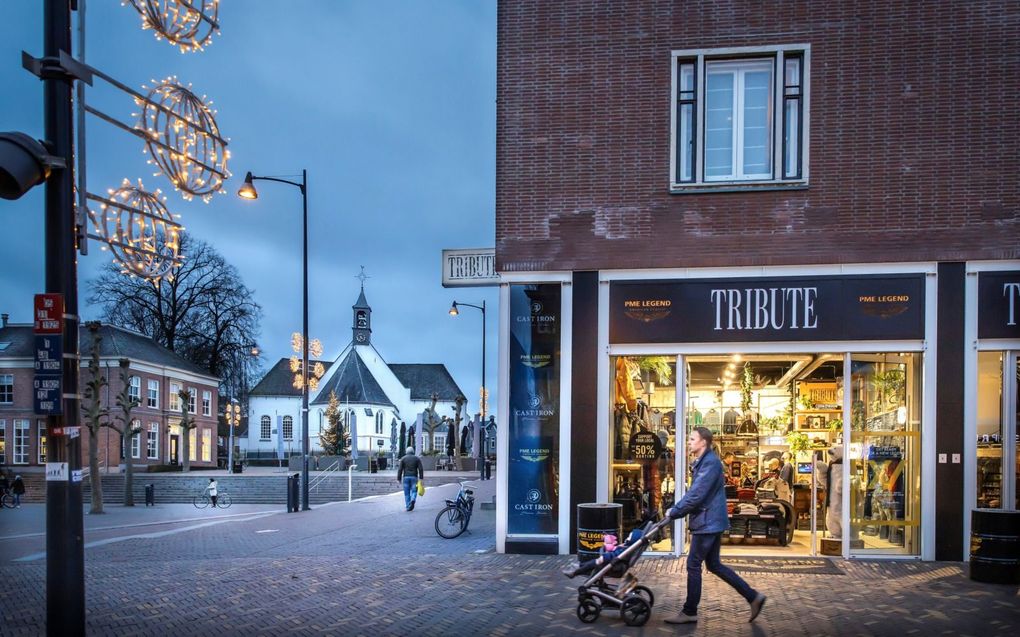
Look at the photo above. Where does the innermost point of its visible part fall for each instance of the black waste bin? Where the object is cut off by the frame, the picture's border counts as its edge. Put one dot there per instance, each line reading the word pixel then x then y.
pixel 593 521
pixel 238 467
pixel 373 466
pixel 382 463
pixel 293 501
pixel 150 495
pixel 995 546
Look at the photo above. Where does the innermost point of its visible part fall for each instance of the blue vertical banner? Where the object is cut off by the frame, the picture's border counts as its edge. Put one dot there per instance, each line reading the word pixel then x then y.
pixel 279 437
pixel 533 462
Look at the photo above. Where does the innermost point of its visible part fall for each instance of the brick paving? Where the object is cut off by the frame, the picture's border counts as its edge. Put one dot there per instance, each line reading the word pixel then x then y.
pixel 370 568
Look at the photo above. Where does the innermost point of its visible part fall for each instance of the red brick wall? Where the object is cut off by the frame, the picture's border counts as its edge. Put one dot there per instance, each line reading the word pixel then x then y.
pixel 914 137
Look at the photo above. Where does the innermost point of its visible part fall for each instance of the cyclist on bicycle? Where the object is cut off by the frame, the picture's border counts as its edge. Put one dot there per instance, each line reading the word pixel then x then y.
pixel 211 490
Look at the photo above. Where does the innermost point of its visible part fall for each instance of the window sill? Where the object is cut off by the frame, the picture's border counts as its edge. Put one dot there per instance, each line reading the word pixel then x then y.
pixel 730 187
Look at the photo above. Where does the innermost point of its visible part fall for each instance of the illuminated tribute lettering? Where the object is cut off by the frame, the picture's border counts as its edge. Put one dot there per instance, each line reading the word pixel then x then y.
pixel 1011 291
pixel 765 308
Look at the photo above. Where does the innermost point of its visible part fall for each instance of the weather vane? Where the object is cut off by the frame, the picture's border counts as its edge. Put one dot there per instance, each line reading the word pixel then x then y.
pixel 362 276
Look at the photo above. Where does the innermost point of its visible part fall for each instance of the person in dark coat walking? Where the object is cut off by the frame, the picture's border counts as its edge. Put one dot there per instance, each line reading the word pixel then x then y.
pixel 18 489
pixel 705 505
pixel 409 472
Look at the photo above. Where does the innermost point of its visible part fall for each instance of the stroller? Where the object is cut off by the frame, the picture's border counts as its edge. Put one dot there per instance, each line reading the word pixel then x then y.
pixel 632 600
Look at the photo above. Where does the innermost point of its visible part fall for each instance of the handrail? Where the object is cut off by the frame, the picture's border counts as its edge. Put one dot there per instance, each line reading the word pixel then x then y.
pixel 333 468
pixel 86 472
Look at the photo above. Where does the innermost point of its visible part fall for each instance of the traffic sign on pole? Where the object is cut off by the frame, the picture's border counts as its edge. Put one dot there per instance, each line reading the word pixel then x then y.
pixel 49 314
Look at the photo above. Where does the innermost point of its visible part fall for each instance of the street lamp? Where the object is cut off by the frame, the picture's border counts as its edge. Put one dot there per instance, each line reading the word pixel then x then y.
pixel 247 191
pixel 233 415
pixel 484 397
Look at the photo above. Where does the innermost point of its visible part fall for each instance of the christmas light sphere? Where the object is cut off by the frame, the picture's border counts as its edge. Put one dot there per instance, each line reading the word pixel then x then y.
pixel 188 25
pixel 142 235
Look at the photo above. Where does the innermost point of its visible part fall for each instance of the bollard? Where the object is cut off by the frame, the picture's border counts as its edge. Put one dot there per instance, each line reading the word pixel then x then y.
pixel 294 492
pixel 150 495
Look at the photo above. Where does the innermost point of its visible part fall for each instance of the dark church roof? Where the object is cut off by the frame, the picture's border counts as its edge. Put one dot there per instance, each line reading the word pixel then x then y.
pixel 353 383
pixel 425 379
pixel 279 381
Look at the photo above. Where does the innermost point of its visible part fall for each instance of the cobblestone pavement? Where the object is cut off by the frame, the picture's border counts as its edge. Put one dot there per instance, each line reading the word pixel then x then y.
pixel 370 568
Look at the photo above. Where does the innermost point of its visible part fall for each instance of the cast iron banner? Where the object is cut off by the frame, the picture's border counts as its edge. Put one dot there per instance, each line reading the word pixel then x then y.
pixel 534 409
pixel 999 304
pixel 880 307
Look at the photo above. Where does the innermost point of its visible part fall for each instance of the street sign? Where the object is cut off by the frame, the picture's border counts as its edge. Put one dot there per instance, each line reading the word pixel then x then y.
pixel 49 355
pixel 470 268
pixel 46 397
pixel 48 313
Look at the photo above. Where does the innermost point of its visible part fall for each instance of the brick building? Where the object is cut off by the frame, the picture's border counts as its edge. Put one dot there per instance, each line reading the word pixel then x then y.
pixel 795 223
pixel 155 376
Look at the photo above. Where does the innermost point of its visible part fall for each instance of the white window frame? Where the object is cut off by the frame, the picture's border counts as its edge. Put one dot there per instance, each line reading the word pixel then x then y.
pixel 206 445
pixel 135 388
pixel 136 440
pixel 22 435
pixel 152 399
pixel 175 398
pixel 6 380
pixel 775 54
pixel 193 444
pixel 40 437
pixel 379 422
pixel 288 428
pixel 265 428
pixel 152 442
pixel 192 400
pixel 207 403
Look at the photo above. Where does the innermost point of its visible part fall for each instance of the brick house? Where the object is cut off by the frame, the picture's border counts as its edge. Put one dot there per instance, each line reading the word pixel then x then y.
pixel 155 376
pixel 821 196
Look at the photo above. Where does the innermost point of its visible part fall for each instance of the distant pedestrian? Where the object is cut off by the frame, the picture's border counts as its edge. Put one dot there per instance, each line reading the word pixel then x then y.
pixel 18 489
pixel 705 503
pixel 409 472
pixel 212 490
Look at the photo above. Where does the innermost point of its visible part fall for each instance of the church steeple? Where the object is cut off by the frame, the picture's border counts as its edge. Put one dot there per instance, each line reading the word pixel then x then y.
pixel 362 325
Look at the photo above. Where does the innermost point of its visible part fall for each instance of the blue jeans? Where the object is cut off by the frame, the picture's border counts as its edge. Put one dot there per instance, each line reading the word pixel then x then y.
pixel 705 548
pixel 410 490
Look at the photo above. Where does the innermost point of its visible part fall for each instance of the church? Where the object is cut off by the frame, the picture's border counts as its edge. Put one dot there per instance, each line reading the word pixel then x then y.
pixel 375 397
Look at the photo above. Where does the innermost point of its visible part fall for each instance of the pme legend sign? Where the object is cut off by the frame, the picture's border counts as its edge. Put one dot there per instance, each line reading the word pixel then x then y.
pixel 470 268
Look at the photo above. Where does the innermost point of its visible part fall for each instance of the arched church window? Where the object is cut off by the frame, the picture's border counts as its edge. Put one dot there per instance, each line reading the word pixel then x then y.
pixel 362 320
pixel 379 422
pixel 288 428
pixel 265 428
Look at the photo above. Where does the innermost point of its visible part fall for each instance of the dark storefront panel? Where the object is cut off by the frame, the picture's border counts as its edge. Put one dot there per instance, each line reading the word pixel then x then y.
pixel 999 304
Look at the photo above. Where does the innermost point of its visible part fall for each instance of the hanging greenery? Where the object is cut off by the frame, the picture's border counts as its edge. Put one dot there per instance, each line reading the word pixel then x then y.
pixel 746 385
pixel 660 366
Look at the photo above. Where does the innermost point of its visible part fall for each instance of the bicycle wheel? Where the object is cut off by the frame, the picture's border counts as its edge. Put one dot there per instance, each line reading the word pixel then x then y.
pixel 200 501
pixel 450 522
pixel 7 500
pixel 223 501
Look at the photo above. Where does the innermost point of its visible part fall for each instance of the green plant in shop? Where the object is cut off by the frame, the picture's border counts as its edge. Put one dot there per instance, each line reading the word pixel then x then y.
pixel 660 366
pixel 890 385
pixel 836 425
pixel 798 441
pixel 746 385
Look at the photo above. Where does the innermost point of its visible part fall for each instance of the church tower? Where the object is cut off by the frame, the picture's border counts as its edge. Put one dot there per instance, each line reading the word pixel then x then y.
pixel 362 325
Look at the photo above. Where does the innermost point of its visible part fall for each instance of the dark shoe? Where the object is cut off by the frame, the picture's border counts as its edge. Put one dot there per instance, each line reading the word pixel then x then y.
pixel 756 605
pixel 571 572
pixel 682 618
pixel 411 508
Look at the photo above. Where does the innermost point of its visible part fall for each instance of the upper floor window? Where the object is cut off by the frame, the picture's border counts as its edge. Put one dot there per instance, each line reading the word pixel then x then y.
pixel 740 118
pixel 192 394
pixel 265 428
pixel 206 403
pixel 153 398
pixel 288 428
pixel 6 388
pixel 135 388
pixel 379 422
pixel 175 396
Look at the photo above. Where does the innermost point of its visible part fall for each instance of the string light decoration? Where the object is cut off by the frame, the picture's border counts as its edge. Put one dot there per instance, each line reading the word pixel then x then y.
pixel 317 370
pixel 186 24
pixel 139 230
pixel 183 139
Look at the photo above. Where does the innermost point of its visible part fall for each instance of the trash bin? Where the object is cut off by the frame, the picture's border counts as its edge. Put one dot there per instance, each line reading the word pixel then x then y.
pixel 593 521
pixel 995 546
pixel 487 469
pixel 238 467
pixel 293 501
pixel 373 466
pixel 150 495
pixel 382 464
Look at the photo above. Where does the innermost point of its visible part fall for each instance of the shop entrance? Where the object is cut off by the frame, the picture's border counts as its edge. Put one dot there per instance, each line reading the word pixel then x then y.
pixel 998 445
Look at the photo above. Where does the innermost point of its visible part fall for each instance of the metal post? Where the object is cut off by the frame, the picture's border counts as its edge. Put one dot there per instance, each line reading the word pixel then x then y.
pixel 65 551
pixel 304 362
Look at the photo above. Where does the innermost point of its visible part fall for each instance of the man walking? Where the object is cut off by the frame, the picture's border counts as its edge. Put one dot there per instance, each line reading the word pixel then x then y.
pixel 705 504
pixel 409 472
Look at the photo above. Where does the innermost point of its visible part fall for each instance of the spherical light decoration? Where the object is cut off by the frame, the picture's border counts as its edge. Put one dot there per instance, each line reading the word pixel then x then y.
pixel 188 25
pixel 184 140
pixel 142 235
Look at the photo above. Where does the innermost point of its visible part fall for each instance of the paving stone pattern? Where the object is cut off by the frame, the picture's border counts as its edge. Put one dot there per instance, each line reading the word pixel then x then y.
pixel 370 568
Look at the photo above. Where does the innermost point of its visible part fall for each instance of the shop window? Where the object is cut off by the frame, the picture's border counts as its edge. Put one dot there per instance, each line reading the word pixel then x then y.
pixel 135 388
pixel 885 454
pixel 998 420
pixel 265 428
pixel 288 428
pixel 152 442
pixel 21 433
pixel 740 117
pixel 153 397
pixel 41 433
pixel 643 439
pixel 207 445
pixel 6 389
pixel 206 403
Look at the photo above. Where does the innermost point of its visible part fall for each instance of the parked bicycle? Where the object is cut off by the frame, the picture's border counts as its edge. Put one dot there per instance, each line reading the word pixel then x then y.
pixel 454 519
pixel 223 500
pixel 6 500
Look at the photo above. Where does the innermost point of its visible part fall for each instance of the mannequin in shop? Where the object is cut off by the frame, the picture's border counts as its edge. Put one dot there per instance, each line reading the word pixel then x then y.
pixel 786 468
pixel 830 477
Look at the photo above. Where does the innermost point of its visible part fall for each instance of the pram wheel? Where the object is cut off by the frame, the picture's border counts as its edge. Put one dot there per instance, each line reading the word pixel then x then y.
pixel 635 610
pixel 646 594
pixel 588 609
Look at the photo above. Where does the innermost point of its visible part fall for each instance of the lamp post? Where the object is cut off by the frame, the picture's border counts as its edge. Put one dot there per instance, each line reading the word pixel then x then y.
pixel 247 191
pixel 484 397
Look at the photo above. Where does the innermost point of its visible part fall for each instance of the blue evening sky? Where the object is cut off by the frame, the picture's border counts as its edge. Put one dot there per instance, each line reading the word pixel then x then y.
pixel 389 105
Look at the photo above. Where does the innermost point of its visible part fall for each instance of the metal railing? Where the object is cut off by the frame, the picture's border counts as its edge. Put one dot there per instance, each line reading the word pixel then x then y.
pixel 329 471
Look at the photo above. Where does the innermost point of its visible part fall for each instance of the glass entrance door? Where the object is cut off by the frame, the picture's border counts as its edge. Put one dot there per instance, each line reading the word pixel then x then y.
pixel 998 447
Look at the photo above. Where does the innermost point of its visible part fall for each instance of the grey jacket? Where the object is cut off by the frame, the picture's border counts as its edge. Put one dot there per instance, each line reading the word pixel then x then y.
pixel 409 466
pixel 705 500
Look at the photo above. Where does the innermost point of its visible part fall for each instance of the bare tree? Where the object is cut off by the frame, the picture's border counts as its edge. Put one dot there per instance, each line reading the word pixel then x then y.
pixel 95 416
pixel 127 429
pixel 187 424
pixel 204 312
pixel 431 422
